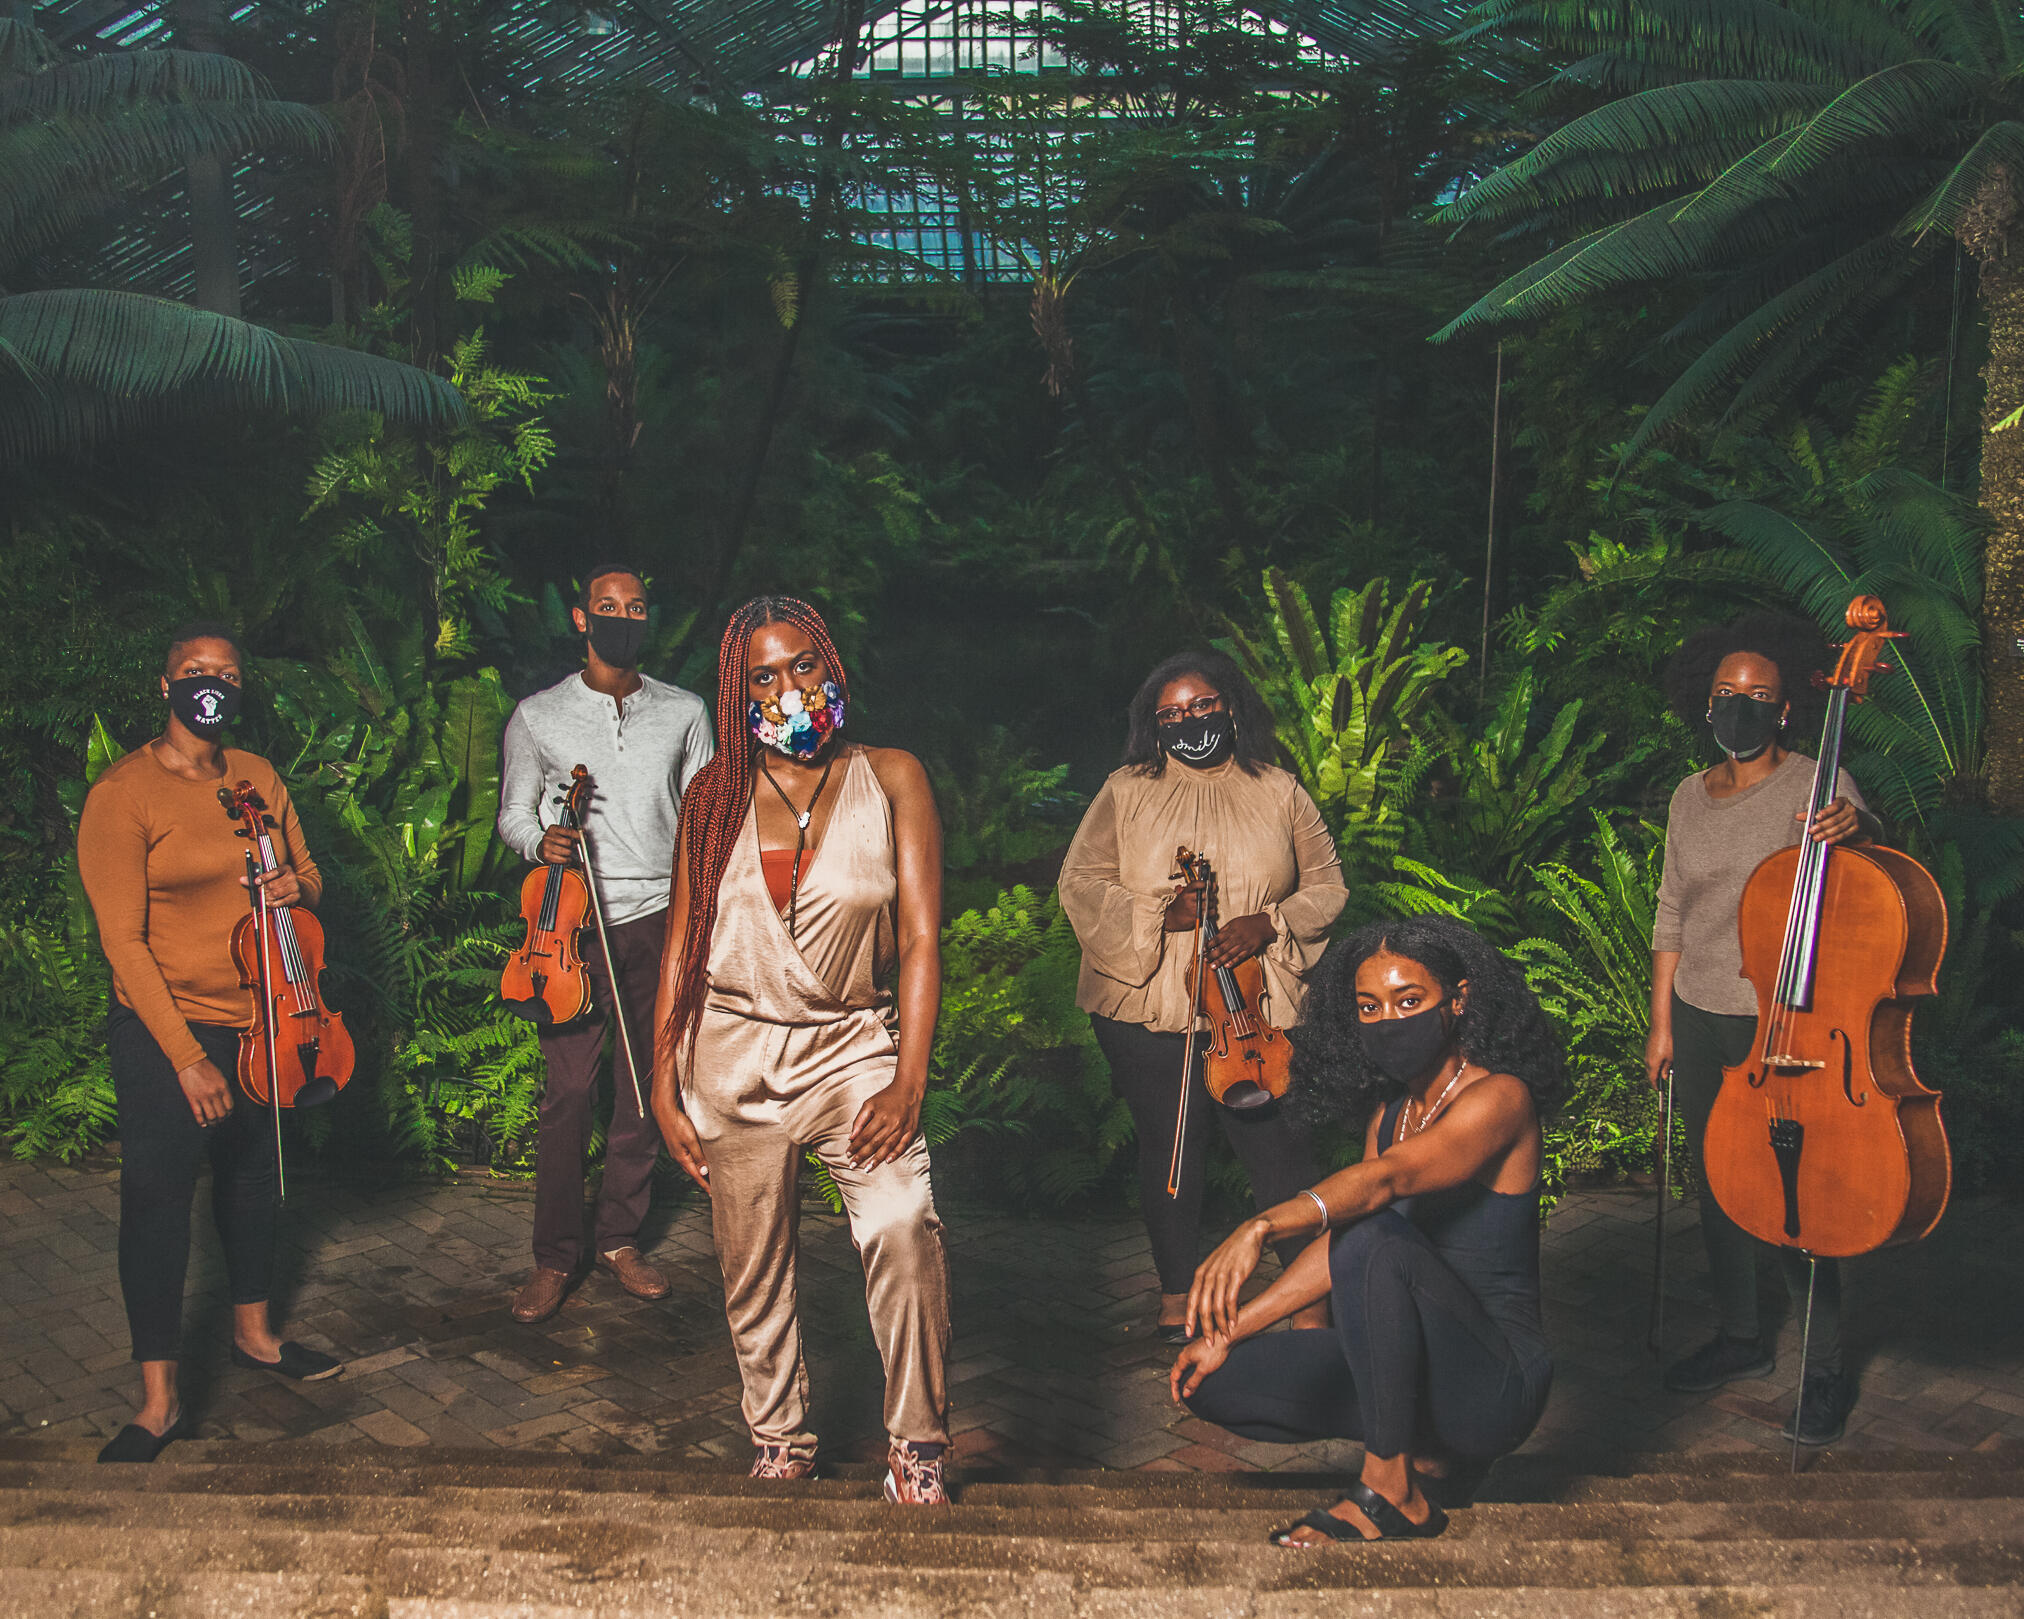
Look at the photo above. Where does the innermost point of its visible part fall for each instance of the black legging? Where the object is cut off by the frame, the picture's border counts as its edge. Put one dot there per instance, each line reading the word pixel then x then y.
pixel 1704 1043
pixel 1412 1358
pixel 1146 1068
pixel 161 1147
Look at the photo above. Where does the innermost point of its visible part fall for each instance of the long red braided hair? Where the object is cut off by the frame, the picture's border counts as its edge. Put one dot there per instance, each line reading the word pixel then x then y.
pixel 714 808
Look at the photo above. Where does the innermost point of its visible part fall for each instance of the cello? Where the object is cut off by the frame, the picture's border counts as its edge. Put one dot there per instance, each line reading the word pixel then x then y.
pixel 1823 1139
pixel 297 1053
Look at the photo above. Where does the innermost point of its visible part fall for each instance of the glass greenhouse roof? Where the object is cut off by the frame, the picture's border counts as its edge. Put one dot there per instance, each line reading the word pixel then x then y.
pixel 716 46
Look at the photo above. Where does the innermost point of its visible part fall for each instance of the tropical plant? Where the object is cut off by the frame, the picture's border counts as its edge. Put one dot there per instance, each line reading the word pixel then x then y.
pixel 1804 162
pixel 1595 982
pixel 1348 700
pixel 1502 798
pixel 78 364
pixel 1014 1060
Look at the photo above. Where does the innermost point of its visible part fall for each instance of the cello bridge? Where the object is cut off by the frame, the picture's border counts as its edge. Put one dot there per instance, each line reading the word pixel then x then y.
pixel 1791 1062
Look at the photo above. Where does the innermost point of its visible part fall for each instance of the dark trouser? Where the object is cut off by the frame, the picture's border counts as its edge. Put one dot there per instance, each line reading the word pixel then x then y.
pixel 1704 1043
pixel 161 1148
pixel 1412 1362
pixel 1146 1068
pixel 634 1142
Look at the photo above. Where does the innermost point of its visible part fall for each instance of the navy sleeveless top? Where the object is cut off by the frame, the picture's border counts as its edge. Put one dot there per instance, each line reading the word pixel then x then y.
pixel 1489 1239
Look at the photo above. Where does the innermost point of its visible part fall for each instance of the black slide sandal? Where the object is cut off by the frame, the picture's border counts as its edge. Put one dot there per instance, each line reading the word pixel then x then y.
pixel 1385 1518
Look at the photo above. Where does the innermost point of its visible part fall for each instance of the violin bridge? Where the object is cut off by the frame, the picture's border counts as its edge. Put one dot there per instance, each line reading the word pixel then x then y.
pixel 1791 1062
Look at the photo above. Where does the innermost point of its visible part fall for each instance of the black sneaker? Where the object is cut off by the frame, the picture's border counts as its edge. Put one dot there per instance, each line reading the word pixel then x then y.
pixel 1720 1360
pixel 1825 1399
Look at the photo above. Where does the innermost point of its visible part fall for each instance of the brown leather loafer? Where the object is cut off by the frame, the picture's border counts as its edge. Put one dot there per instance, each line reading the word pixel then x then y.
pixel 634 1274
pixel 542 1296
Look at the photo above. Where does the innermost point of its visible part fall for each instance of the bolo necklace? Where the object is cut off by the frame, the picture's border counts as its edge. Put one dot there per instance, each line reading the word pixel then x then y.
pixel 801 819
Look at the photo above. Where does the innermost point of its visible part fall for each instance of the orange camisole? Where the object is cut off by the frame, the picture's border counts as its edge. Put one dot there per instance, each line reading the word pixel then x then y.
pixel 778 866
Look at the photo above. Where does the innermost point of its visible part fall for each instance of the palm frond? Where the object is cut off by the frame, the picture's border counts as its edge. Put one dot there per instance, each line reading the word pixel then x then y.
pixel 88 86
pixel 73 363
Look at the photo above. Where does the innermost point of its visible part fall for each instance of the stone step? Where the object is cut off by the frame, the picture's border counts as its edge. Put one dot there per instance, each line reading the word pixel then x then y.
pixel 208 1595
pixel 442 1551
pixel 236 1468
pixel 478 1517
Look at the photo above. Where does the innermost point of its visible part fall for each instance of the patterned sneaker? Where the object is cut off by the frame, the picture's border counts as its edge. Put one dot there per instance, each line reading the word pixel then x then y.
pixel 914 1479
pixel 777 1461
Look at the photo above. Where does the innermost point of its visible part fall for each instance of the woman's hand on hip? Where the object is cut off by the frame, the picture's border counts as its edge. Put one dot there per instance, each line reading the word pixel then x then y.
pixel 677 1130
pixel 209 1096
pixel 1212 1301
pixel 885 1126
pixel 1198 1358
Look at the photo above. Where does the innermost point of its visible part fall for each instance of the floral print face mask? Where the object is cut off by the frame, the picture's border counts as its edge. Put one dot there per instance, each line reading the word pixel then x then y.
pixel 797 722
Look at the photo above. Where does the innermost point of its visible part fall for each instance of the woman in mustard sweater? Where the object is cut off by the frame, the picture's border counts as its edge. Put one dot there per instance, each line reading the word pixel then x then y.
pixel 165 874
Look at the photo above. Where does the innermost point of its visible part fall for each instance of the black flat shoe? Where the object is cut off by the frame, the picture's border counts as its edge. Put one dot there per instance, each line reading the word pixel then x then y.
pixel 1389 1522
pixel 303 1364
pixel 1174 1334
pixel 133 1443
pixel 1244 1096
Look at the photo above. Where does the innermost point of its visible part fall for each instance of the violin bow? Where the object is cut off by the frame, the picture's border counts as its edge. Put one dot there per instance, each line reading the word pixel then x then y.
pixel 1188 1058
pixel 1655 1329
pixel 263 923
pixel 610 966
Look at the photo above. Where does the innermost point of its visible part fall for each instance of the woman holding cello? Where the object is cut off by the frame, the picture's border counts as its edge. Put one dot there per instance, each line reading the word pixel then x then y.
pixel 1749 683
pixel 1278 887
pixel 166 873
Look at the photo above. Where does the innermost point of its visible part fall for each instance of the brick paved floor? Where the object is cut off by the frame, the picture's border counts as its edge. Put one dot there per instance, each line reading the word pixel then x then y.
pixel 1054 1364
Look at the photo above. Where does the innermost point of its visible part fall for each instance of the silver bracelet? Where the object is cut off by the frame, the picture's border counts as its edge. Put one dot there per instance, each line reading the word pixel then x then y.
pixel 1310 1192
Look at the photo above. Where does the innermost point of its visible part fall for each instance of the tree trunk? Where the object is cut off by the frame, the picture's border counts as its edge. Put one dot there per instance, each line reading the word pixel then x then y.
pixel 425 203
pixel 214 245
pixel 2003 501
pixel 1992 228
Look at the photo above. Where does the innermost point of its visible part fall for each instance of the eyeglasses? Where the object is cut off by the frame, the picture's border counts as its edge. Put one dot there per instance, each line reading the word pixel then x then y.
pixel 1200 708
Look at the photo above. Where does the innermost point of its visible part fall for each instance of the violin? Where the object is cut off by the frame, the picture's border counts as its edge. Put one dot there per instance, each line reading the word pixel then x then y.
pixel 298 1052
pixel 1824 1139
pixel 545 981
pixel 1246 1062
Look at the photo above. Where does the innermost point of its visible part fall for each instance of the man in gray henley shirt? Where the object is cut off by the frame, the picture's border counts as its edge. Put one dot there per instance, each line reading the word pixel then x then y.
pixel 642 741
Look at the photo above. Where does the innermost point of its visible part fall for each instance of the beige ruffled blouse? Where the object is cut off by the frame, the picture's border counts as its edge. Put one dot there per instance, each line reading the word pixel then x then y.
pixel 1271 851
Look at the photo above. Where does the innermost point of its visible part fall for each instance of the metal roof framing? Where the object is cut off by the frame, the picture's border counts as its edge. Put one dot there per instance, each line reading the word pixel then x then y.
pixel 694 47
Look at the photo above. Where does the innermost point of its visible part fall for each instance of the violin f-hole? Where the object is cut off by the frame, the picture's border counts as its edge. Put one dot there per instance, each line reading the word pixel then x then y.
pixel 1848 1068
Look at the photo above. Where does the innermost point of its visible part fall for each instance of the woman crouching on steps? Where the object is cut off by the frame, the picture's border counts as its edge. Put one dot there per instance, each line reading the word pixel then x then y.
pixel 1429 1248
pixel 797 1009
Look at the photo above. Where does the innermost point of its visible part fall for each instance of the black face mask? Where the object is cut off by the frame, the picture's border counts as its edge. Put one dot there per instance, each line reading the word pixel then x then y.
pixel 205 703
pixel 1403 1048
pixel 617 639
pixel 1743 726
pixel 1200 742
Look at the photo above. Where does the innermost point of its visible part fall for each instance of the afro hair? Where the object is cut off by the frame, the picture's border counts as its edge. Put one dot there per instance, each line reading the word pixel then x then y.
pixel 1503 1028
pixel 1794 645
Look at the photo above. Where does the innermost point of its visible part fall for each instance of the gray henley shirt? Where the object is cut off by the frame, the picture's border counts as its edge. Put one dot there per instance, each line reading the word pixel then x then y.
pixel 641 753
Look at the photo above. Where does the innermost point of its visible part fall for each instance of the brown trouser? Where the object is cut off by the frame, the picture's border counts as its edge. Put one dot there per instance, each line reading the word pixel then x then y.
pixel 754 1144
pixel 634 1141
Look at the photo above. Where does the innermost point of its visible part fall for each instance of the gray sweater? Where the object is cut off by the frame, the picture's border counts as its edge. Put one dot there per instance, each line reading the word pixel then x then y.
pixel 1712 846
pixel 641 755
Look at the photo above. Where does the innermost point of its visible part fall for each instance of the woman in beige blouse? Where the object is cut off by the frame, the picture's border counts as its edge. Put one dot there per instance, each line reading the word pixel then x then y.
pixel 1198 770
